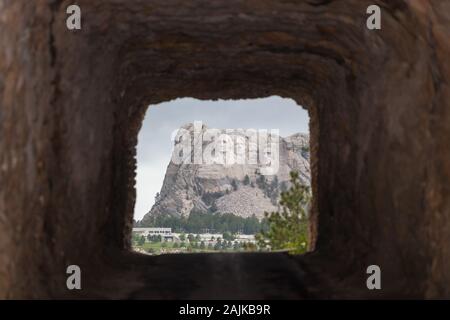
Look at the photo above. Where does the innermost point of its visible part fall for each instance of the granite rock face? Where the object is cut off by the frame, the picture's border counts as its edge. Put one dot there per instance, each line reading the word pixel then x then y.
pixel 233 179
pixel 72 103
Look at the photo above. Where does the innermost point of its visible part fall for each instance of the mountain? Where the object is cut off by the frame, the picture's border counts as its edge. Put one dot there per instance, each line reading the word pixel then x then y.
pixel 228 171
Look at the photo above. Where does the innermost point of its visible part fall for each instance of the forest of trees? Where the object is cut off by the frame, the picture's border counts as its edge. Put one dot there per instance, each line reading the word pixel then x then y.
pixel 198 222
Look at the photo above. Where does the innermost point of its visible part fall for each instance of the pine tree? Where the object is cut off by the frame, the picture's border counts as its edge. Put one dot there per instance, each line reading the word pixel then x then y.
pixel 261 182
pixel 288 228
pixel 141 241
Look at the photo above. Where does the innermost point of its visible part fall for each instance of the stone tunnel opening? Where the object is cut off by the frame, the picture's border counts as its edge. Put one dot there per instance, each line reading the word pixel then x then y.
pixel 72 103
pixel 220 198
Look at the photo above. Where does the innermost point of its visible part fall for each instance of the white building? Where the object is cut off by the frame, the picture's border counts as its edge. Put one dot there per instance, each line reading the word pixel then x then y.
pixel 208 238
pixel 165 233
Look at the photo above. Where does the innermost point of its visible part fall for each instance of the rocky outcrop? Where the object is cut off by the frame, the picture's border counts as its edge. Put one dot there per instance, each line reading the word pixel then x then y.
pixel 246 201
pixel 221 184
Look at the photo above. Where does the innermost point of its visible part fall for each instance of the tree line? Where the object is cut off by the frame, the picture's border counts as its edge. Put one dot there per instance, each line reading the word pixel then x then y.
pixel 198 222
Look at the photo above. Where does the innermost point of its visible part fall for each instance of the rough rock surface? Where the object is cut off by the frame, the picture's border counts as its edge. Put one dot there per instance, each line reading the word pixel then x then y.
pixel 246 202
pixel 72 102
pixel 221 186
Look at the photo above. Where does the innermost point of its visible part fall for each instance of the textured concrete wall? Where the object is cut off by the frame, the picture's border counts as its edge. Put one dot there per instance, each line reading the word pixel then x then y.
pixel 71 104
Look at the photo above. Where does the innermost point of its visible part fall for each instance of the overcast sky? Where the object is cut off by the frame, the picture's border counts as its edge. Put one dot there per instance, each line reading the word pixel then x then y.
pixel 155 146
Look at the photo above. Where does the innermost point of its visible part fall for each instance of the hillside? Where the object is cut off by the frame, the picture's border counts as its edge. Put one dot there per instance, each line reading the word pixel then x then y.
pixel 240 189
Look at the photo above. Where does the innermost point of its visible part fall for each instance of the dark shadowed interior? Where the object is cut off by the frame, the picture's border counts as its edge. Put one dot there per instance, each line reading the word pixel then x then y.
pixel 72 103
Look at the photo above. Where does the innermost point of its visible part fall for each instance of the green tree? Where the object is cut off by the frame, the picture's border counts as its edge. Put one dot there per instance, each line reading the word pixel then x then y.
pixel 182 237
pixel 234 184
pixel 274 183
pixel 213 208
pixel 135 237
pixel 246 180
pixel 288 228
pixel 154 238
pixel 284 186
pixel 252 225
pixel 272 191
pixel 191 237
pixel 228 236
pixel 261 182
pixel 202 245
pixel 248 246
pixel 305 151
